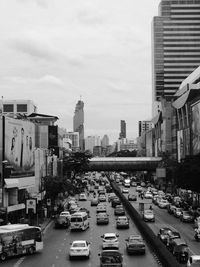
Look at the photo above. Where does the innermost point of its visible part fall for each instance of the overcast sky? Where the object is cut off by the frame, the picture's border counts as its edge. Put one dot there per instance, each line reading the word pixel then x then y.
pixel 55 51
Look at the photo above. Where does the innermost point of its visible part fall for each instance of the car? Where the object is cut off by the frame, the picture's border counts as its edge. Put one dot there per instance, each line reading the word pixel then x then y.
pixel 139 189
pixel 186 216
pixel 135 245
pixel 111 258
pixel 193 260
pixel 180 250
pixel 110 240
pixel 116 201
pixel 177 212
pixel 132 197
pixel 197 222
pixel 134 184
pixel 163 234
pixel 94 202
pixel 148 195
pixel 143 184
pixel 82 209
pixel 111 196
pixel 171 208
pixel 125 191
pixel 171 237
pixel 79 248
pixel 82 197
pixel 102 198
pixel 122 222
pixel 119 210
pixel 148 216
pixel 102 218
pixel 163 203
pixel 101 208
pixel 63 219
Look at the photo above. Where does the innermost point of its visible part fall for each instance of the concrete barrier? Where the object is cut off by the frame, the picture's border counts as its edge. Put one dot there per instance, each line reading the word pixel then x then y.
pixel 165 257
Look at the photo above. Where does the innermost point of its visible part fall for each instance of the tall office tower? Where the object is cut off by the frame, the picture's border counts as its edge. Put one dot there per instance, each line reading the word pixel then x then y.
pixel 105 141
pixel 78 123
pixel 144 126
pixel 91 142
pixel 175 45
pixel 123 129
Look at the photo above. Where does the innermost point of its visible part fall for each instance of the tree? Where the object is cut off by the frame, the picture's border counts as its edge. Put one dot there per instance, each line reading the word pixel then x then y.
pixel 73 166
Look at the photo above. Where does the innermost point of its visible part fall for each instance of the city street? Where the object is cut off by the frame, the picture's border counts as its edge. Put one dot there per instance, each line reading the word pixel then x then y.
pixel 57 242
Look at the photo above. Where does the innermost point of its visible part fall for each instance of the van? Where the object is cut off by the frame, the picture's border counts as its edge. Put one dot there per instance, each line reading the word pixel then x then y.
pixel 79 221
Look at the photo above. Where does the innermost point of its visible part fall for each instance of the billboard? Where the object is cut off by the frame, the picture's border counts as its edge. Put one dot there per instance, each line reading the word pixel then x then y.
pixel 196 128
pixel 19 143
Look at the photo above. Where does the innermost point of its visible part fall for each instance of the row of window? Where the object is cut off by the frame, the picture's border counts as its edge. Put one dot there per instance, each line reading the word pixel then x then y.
pixel 10 108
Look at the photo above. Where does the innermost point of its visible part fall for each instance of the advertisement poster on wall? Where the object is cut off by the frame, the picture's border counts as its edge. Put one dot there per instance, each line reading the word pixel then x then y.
pixel 196 128
pixel 19 144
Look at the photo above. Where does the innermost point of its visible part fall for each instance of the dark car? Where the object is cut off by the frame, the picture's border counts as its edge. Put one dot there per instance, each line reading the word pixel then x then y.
pixel 112 258
pixel 122 222
pixel 180 250
pixel 171 208
pixel 132 197
pixel 119 210
pixel 170 239
pixel 115 201
pixel 163 234
pixel 94 202
pixel 102 218
pixel 135 245
pixel 186 216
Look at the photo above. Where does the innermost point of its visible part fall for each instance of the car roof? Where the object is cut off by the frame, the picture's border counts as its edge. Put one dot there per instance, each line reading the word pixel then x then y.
pixel 135 237
pixel 109 234
pixel 79 241
pixel 122 218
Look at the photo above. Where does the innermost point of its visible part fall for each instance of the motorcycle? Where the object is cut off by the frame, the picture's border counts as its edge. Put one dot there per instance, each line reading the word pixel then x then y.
pixel 197 236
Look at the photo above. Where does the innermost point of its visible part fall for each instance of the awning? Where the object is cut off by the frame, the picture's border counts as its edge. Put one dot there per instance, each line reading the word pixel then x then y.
pixel 180 102
pixel 157 118
pixel 20 183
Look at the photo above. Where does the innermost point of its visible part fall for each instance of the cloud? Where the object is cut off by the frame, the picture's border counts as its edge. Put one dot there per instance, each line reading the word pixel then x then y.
pixel 32 47
pixel 51 79
pixel 90 17
pixel 41 3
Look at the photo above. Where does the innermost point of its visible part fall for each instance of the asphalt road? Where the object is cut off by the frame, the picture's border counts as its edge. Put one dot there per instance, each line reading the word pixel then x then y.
pixel 57 243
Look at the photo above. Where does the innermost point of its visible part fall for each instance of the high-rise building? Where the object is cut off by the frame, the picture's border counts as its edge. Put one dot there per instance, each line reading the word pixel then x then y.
pixel 91 142
pixel 176 46
pixel 105 141
pixel 123 129
pixel 144 126
pixel 74 140
pixel 78 122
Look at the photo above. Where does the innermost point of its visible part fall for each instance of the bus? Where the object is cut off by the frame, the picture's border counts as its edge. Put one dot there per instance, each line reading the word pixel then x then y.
pixel 79 221
pixel 19 239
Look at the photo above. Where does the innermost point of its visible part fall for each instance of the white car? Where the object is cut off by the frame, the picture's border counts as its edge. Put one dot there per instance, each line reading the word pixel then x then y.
pixel 194 260
pixel 110 240
pixel 148 195
pixel 66 214
pixel 82 196
pixel 101 208
pixel 79 248
pixel 125 191
pixel 163 203
pixel 148 216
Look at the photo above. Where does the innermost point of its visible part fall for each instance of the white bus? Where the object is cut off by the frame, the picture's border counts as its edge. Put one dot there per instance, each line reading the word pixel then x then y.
pixel 18 239
pixel 79 221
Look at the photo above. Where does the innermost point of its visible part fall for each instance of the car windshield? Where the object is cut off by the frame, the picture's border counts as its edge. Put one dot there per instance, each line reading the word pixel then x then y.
pixel 109 237
pixel 80 245
pixel 148 212
pixel 133 238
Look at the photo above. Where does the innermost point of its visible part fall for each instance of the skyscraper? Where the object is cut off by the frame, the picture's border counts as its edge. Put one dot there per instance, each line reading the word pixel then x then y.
pixel 78 122
pixel 144 126
pixel 123 129
pixel 176 46
pixel 105 141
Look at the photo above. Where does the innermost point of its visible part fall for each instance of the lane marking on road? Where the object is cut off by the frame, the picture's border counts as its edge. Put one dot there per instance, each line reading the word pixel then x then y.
pixel 53 265
pixel 17 264
pixel 57 256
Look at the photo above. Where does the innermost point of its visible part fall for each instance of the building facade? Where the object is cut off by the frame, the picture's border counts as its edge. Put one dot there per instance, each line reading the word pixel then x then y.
pixel 78 123
pixel 144 126
pixel 105 141
pixel 122 129
pixel 175 45
pixel 91 142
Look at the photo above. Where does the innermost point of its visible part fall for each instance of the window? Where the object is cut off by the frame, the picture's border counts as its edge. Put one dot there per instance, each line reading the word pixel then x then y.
pixel 21 107
pixel 8 108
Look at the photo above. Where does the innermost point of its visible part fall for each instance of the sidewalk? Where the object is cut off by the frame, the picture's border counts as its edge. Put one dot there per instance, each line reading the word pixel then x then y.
pixel 46 223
